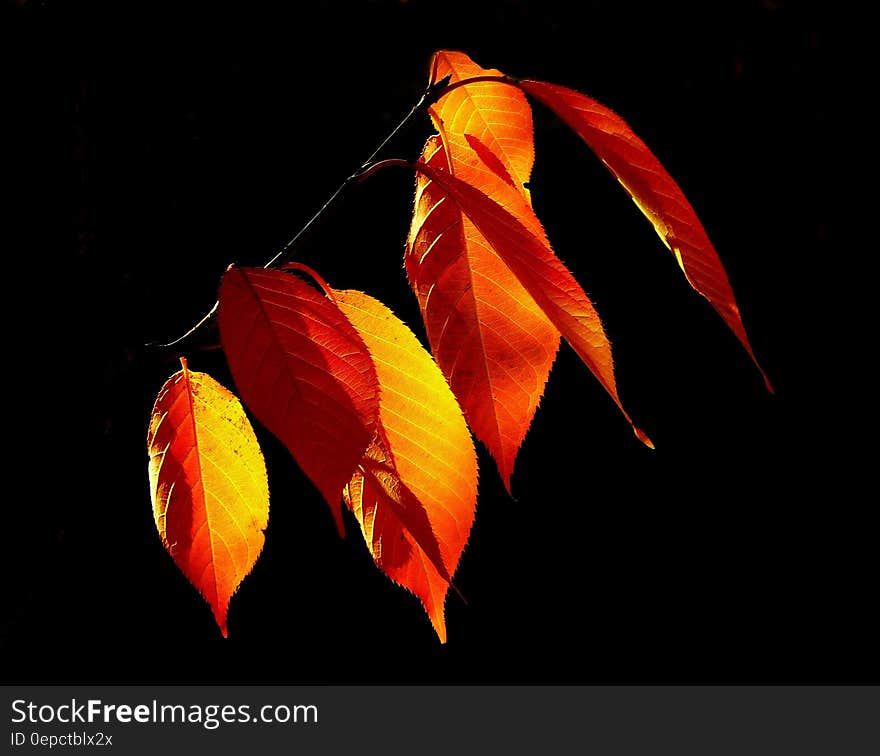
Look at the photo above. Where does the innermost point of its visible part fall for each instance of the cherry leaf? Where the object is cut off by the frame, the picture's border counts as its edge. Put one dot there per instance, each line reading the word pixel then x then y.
pixel 655 193
pixel 302 370
pixel 543 275
pixel 208 485
pixel 415 490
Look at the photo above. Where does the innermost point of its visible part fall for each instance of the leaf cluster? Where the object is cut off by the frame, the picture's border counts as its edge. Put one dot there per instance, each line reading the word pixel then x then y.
pixel 372 418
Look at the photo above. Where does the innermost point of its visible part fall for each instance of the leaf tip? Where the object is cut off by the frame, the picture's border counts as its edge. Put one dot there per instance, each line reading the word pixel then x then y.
pixel 337 518
pixel 439 624
pixel 220 615
pixel 643 437
pixel 505 479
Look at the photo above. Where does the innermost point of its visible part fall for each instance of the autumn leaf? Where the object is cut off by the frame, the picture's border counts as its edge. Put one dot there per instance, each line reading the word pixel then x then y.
pixel 543 275
pixel 208 485
pixel 414 492
pixel 655 193
pixel 492 342
pixel 486 125
pixel 303 371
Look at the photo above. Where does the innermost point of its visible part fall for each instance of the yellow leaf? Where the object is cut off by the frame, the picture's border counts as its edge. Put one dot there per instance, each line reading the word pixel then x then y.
pixel 415 491
pixel 208 485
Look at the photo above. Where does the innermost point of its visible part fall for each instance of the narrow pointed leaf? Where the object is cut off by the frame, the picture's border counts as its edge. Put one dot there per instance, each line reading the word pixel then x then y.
pixel 302 370
pixel 208 485
pixel 655 193
pixel 543 275
pixel 414 492
pixel 491 340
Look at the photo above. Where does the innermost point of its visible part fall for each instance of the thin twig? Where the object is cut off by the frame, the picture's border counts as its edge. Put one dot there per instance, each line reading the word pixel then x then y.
pixel 205 318
pixel 431 95
pixel 354 176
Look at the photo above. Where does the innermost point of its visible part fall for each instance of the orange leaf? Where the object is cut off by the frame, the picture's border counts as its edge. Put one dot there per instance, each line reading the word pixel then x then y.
pixel 493 343
pixel 208 485
pixel 302 370
pixel 486 125
pixel 415 490
pixel 655 193
pixel 491 340
pixel 543 275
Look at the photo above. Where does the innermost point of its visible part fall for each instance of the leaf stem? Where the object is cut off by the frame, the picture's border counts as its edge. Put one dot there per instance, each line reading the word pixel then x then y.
pixel 314 275
pixel 390 163
pixel 497 79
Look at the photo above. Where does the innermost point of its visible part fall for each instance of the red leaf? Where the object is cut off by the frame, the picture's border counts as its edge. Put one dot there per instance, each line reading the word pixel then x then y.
pixel 208 485
pixel 415 491
pixel 655 193
pixel 303 371
pixel 549 282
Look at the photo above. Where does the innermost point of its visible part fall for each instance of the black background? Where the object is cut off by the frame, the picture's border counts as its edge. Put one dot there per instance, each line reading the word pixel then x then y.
pixel 155 143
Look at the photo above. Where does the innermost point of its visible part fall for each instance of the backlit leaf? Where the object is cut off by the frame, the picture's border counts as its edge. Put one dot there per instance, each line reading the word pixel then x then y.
pixel 302 370
pixel 414 492
pixel 655 193
pixel 493 343
pixel 208 485
pixel 486 125
pixel 490 339
pixel 543 275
